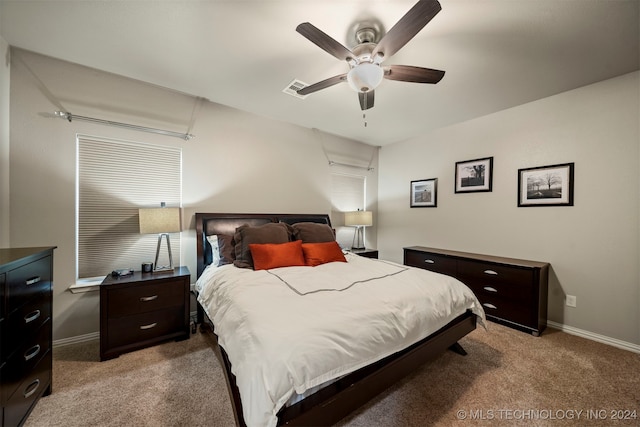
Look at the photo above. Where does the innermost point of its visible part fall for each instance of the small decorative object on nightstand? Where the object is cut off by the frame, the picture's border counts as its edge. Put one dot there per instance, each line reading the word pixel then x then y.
pixel 367 253
pixel 143 309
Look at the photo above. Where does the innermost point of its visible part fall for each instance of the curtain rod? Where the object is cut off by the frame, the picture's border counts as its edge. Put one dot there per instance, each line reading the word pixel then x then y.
pixel 70 117
pixel 332 163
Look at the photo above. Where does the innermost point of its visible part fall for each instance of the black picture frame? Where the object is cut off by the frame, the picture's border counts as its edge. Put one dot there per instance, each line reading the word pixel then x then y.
pixel 424 193
pixel 473 176
pixel 546 185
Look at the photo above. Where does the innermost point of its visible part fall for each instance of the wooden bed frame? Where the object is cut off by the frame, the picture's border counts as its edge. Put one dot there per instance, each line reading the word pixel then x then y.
pixel 330 404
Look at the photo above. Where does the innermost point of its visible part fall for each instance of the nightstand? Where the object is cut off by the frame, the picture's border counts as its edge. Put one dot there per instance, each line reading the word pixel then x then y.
pixel 143 309
pixel 367 253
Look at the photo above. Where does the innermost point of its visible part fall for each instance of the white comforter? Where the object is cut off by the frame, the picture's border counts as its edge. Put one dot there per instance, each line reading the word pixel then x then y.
pixel 289 329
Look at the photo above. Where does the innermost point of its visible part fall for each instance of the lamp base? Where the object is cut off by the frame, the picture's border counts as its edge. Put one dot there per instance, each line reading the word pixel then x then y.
pixel 169 267
pixel 358 241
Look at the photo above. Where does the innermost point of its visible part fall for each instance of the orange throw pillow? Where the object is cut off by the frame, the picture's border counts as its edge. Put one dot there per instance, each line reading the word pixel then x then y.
pixel 322 253
pixel 274 255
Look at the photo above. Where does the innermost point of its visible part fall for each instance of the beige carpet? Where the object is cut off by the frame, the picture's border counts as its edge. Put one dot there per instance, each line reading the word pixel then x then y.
pixel 509 378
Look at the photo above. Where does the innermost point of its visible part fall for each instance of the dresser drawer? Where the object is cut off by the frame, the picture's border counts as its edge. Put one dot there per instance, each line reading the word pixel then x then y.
pixel 504 281
pixel 3 277
pixel 24 282
pixel 508 310
pixel 429 261
pixel 25 358
pixel 30 388
pixel 145 298
pixel 139 328
pixel 23 322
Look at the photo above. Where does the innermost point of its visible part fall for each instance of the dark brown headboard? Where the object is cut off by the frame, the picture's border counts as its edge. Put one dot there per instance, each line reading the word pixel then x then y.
pixel 226 223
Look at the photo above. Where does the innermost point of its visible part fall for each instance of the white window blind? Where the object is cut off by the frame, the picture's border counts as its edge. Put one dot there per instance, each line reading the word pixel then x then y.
pixel 347 194
pixel 115 179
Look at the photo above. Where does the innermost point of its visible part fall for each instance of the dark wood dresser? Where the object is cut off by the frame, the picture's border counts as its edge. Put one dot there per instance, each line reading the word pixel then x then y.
pixel 512 291
pixel 26 284
pixel 143 309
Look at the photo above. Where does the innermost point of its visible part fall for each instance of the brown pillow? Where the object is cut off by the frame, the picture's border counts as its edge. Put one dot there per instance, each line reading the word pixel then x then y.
pixel 226 248
pixel 267 233
pixel 313 232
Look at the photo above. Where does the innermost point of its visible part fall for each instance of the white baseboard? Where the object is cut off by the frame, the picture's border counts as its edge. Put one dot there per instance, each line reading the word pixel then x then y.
pixel 635 348
pixel 595 337
pixel 89 337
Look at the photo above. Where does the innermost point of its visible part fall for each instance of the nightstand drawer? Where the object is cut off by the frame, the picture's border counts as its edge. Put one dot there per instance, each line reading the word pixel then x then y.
pixel 429 261
pixel 27 280
pixel 145 298
pixel 145 326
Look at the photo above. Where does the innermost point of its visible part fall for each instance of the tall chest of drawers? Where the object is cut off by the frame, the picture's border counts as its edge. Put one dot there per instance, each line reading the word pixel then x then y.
pixel 26 278
pixel 511 291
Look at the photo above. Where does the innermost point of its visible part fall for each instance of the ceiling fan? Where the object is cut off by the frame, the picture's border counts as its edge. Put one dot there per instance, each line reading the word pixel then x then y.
pixel 366 73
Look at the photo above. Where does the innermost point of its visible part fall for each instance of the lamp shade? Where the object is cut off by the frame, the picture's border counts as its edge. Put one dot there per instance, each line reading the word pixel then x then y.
pixel 159 220
pixel 365 77
pixel 358 218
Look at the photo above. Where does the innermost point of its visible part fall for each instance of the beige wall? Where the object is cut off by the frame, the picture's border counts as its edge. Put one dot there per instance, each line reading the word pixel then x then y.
pixel 593 247
pixel 238 162
pixel 4 142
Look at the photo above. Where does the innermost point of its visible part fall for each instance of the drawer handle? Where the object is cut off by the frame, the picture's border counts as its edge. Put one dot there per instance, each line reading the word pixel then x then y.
pixel 149 326
pixel 486 304
pixel 31 316
pixel 490 289
pixel 31 388
pixel 151 298
pixel 491 272
pixel 33 280
pixel 429 261
pixel 32 352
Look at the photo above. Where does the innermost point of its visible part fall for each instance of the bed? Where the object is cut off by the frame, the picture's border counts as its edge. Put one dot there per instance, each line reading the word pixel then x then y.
pixel 325 374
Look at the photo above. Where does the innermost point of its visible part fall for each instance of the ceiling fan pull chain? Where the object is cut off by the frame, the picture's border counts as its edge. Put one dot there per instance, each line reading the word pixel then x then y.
pixel 364 119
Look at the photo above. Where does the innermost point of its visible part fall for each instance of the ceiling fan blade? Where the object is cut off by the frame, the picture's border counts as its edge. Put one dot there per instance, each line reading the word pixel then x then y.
pixel 407 27
pixel 324 41
pixel 323 84
pixel 408 73
pixel 366 100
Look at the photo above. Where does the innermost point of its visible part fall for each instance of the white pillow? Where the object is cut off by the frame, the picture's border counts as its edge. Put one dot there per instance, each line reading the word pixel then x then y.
pixel 215 249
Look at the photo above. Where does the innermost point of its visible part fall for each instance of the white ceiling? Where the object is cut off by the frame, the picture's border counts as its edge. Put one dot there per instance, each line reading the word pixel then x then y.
pixel 242 53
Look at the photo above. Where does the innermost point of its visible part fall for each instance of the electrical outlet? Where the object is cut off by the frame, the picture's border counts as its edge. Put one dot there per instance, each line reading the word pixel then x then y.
pixel 571 300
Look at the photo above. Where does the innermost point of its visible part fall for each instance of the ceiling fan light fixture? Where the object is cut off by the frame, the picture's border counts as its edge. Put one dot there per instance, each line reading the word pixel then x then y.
pixel 365 77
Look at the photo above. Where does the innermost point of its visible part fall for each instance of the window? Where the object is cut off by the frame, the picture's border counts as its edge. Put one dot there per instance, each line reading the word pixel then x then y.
pixel 347 194
pixel 113 180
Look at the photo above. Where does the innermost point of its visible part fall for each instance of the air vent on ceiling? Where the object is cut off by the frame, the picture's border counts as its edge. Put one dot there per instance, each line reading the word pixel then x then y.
pixel 295 86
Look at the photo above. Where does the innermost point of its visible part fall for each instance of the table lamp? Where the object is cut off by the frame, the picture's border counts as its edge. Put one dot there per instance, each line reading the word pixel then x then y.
pixel 161 221
pixel 358 219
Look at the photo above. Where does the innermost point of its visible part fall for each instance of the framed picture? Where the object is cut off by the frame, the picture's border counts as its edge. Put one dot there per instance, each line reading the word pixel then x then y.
pixel 424 193
pixel 474 175
pixel 546 186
